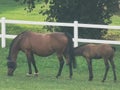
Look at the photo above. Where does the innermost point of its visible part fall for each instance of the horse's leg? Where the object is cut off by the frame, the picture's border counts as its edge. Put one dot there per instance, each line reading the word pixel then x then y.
pixel 70 69
pixel 106 70
pixel 89 62
pixel 61 63
pixel 113 68
pixel 34 64
pixel 70 64
pixel 28 54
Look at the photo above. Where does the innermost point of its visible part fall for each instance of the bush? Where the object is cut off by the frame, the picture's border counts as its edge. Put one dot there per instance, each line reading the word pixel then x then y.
pixel 112 35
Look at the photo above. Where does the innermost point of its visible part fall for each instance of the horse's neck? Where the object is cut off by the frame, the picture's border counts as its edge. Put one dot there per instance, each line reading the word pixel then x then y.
pixel 14 47
pixel 13 54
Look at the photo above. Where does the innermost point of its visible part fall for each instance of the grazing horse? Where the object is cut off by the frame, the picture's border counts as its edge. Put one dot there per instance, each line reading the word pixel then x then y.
pixel 92 51
pixel 43 45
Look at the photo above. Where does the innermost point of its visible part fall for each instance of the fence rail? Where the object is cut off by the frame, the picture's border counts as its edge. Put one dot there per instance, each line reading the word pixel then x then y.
pixel 75 26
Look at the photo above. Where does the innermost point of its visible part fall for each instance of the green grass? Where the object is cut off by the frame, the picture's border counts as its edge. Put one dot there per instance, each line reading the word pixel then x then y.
pixel 48 66
pixel 15 11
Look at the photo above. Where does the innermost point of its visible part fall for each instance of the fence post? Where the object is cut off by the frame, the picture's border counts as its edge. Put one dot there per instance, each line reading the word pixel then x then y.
pixel 75 33
pixel 3 32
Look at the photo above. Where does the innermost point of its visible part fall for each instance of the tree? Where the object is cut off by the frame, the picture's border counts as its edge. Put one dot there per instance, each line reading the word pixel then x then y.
pixel 84 11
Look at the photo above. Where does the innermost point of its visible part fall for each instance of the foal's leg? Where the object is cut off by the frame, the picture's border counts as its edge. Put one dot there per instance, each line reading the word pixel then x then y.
pixel 61 63
pixel 107 68
pixel 89 62
pixel 113 68
pixel 34 64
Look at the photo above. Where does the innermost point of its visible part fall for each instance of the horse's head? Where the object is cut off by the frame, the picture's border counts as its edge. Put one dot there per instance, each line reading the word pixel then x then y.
pixel 11 67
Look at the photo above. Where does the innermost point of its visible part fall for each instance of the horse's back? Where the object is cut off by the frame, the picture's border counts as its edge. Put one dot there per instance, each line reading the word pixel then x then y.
pixel 102 50
pixel 95 50
pixel 101 47
pixel 58 38
pixel 44 44
pixel 107 50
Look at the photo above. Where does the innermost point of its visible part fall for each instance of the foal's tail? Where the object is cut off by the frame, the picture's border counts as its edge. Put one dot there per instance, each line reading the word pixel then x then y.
pixel 70 50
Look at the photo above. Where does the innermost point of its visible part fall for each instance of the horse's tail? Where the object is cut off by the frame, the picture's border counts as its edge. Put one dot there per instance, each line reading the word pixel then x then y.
pixel 71 50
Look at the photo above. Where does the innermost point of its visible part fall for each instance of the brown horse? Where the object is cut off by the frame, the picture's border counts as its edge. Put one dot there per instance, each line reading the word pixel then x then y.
pixel 92 51
pixel 43 45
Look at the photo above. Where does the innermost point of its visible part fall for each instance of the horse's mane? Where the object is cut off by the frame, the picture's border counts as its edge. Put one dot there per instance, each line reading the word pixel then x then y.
pixel 16 42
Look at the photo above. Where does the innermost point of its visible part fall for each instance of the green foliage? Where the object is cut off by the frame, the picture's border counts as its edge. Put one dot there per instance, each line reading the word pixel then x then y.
pixel 98 12
pixel 116 19
pixel 95 11
pixel 84 11
pixel 112 35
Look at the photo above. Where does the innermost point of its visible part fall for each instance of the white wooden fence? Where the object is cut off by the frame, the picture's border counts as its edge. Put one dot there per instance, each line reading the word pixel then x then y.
pixel 75 26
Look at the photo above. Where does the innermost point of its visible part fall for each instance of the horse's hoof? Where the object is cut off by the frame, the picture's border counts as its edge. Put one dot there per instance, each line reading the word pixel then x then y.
pixel 57 77
pixel 74 66
pixel 103 80
pixel 115 80
pixel 28 75
pixel 36 74
pixel 70 77
pixel 89 79
pixel 10 74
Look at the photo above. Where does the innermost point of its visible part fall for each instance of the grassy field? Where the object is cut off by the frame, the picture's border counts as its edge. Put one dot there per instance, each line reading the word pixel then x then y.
pixel 48 66
pixel 12 10
pixel 15 11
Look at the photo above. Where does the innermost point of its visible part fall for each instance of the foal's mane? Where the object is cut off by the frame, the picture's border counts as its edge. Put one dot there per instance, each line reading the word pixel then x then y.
pixel 81 45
